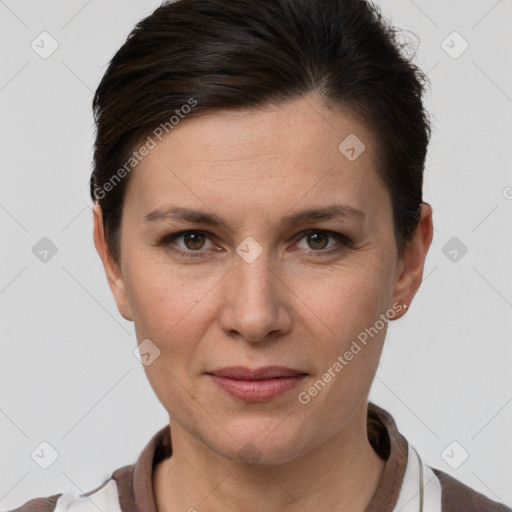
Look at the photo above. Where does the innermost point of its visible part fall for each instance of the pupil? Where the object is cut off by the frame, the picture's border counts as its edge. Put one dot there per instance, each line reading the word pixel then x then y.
pixel 189 240
pixel 315 238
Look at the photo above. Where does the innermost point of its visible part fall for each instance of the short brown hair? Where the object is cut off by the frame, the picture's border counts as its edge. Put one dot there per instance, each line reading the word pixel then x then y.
pixel 229 54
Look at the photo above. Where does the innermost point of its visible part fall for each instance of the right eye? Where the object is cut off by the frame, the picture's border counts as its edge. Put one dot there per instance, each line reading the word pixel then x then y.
pixel 193 242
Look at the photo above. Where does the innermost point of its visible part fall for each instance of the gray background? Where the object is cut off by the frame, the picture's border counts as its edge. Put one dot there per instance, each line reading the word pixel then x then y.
pixel 67 370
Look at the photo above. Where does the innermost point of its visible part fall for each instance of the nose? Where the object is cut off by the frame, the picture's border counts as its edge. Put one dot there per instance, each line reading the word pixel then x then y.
pixel 255 303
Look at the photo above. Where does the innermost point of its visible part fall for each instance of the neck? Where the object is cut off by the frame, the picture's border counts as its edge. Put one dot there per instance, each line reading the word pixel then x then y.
pixel 342 474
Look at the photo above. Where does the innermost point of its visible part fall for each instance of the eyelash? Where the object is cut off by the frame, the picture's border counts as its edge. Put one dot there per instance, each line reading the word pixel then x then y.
pixel 344 240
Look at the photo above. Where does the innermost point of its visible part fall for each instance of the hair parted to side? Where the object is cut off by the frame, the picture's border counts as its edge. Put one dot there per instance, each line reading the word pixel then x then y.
pixel 212 55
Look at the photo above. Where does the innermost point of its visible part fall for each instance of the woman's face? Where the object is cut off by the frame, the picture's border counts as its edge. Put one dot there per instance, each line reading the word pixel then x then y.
pixel 254 290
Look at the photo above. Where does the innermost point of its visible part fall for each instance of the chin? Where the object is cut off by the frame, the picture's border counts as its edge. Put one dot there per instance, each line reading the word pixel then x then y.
pixel 264 441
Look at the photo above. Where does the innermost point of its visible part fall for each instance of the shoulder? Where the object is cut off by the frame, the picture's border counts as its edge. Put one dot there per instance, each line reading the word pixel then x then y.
pixel 46 504
pixel 105 497
pixel 458 497
pixel 409 482
pixel 117 492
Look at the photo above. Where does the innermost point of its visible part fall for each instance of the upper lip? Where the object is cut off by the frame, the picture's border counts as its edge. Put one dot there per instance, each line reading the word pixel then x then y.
pixel 266 372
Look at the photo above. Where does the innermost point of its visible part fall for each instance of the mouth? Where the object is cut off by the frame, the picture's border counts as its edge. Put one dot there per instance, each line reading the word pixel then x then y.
pixel 256 385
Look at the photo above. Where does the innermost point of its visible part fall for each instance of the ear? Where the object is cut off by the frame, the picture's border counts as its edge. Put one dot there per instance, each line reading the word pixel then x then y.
pixel 410 267
pixel 112 270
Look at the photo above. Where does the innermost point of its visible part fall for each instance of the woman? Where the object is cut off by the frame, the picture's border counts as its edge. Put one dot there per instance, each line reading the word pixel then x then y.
pixel 258 175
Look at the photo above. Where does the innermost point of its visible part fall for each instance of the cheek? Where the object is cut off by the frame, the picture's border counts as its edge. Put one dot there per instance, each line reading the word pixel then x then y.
pixel 161 297
pixel 170 313
pixel 345 300
pixel 347 343
pixel 342 312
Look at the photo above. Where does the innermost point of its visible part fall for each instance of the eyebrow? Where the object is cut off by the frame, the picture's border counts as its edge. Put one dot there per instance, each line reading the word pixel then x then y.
pixel 331 212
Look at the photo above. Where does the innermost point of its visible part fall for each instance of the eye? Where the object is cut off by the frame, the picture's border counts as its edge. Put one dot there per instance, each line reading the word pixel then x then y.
pixel 193 242
pixel 318 240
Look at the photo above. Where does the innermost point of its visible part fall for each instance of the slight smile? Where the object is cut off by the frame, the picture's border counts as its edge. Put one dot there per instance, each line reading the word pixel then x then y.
pixel 256 385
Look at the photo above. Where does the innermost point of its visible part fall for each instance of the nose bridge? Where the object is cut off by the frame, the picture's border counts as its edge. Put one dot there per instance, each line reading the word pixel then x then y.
pixel 253 272
pixel 252 302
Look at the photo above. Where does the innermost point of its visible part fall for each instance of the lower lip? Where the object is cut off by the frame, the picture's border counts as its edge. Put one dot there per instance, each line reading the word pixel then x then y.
pixel 257 390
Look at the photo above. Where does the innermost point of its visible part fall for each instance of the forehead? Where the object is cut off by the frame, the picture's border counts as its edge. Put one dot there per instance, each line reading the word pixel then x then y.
pixel 271 156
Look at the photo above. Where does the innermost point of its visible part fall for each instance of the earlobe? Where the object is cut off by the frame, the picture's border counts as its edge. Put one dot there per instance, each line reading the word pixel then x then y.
pixel 112 270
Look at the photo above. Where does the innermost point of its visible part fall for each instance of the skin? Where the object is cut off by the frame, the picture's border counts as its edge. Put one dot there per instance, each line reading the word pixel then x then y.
pixel 292 306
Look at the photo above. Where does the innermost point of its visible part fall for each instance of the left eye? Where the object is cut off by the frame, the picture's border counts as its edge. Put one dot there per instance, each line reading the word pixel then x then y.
pixel 318 240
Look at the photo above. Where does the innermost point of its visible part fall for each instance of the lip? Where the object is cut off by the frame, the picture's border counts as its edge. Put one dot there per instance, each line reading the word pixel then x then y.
pixel 265 372
pixel 256 385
